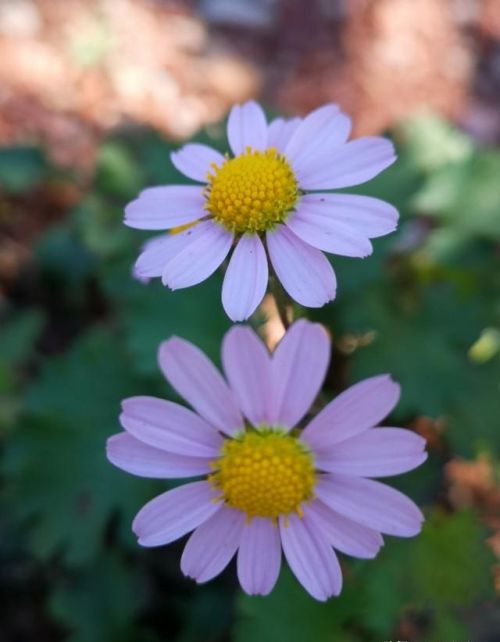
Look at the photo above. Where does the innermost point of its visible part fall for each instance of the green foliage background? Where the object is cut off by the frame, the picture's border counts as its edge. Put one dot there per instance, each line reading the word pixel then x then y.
pixel 83 334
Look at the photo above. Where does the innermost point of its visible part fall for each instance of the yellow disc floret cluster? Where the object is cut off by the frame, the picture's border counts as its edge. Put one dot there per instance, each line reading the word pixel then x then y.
pixel 264 473
pixel 252 192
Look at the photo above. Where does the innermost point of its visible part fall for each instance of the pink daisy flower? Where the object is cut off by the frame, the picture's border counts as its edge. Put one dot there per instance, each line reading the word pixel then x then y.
pixel 268 195
pixel 268 486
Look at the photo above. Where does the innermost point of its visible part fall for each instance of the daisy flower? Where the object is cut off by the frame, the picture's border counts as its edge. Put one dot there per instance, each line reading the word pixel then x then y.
pixel 268 195
pixel 267 485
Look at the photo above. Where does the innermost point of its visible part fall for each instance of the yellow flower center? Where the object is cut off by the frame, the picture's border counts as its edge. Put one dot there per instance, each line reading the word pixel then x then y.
pixel 264 473
pixel 252 192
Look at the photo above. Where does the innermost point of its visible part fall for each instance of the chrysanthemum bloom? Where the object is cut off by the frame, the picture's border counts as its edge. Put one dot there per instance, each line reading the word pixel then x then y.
pixel 271 190
pixel 266 484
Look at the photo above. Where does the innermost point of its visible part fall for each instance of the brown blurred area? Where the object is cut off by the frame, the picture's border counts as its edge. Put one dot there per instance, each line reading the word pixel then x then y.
pixel 71 70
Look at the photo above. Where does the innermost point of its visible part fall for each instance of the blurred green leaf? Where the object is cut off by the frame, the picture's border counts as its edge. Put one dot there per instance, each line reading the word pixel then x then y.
pixel 18 336
pixel 59 472
pixel 117 172
pixel 22 168
pixel 451 564
pixel 150 313
pixel 466 195
pixel 100 602
pixel 289 614
pixel 431 142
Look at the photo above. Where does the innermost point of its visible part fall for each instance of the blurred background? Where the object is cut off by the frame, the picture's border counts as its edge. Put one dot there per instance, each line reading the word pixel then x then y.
pixel 94 94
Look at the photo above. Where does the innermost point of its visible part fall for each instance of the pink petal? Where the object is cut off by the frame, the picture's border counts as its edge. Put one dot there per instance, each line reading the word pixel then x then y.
pixel 156 253
pixel 247 365
pixel 135 457
pixel 370 503
pixel 298 368
pixel 324 233
pixel 161 208
pixel 304 271
pixel 310 557
pixel 196 379
pixel 351 164
pixel 342 533
pixel 168 426
pixel 365 215
pixel 247 127
pixel 342 223
pixel 259 556
pixel 195 160
pixel 358 408
pixel 212 545
pixel 246 278
pixel 174 513
pixel 206 246
pixel 379 452
pixel 321 132
pixel 280 131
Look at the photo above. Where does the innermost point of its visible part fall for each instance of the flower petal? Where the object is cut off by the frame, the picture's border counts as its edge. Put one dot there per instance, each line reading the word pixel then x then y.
pixel 368 216
pixel 358 408
pixel 136 457
pixel 342 533
pixel 310 557
pixel 196 379
pixel 246 278
pixel 156 253
pixel 379 452
pixel 212 545
pixel 323 130
pixel 351 164
pixel 161 208
pixel 174 513
pixel 259 556
pixel 206 246
pixel 325 233
pixel 194 161
pixel 304 271
pixel 280 131
pixel 247 126
pixel 370 503
pixel 298 368
pixel 169 426
pixel 247 365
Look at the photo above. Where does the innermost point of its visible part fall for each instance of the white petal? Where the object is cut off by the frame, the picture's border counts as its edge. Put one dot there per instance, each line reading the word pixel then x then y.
pixel 310 557
pixel 169 426
pixel 370 503
pixel 358 408
pixel 379 452
pixel 195 160
pixel 259 556
pixel 323 130
pixel 280 131
pixel 304 271
pixel 161 208
pixel 175 513
pixel 247 127
pixel 246 277
pixel 299 367
pixel 212 545
pixel 196 379
pixel 351 164
pixel 247 365
pixel 135 457
pixel 206 246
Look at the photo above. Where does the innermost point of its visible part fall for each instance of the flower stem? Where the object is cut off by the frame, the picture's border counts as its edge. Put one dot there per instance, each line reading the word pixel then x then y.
pixel 283 302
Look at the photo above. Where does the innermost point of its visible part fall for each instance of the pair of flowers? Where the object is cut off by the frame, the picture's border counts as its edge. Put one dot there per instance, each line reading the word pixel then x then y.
pixel 267 485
